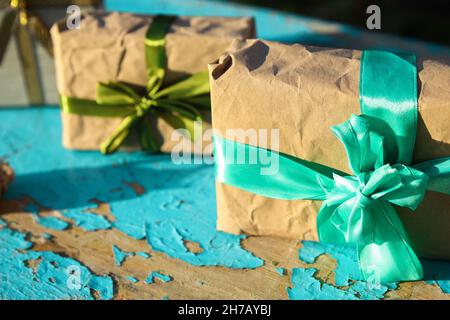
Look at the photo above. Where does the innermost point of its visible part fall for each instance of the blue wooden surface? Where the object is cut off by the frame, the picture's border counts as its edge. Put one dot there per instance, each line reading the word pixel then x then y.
pixel 178 204
pixel 178 201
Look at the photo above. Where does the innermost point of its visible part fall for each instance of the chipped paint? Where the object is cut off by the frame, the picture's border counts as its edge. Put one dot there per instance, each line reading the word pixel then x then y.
pixel 348 282
pixel 435 272
pixel 307 287
pixel 144 255
pixel 90 175
pixel 47 236
pixel 87 220
pixel 54 223
pixel 51 277
pixel 166 214
pixel 120 255
pixel 132 279
pixel 346 258
pixel 281 271
pixel 157 275
pixel 222 249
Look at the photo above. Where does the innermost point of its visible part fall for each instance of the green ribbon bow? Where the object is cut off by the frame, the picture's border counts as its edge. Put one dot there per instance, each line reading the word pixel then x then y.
pixel 178 104
pixel 358 210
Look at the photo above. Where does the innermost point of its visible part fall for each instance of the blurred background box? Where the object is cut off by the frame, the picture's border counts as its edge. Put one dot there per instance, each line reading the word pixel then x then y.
pixel 415 27
pixel 26 66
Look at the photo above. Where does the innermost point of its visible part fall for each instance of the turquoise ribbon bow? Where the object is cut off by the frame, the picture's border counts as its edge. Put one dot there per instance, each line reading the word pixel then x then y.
pixel 358 210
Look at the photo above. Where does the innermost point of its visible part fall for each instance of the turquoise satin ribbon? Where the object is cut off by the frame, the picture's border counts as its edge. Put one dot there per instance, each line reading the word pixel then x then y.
pixel 357 210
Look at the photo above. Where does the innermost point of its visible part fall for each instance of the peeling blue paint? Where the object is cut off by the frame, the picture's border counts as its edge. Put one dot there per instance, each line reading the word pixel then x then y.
pixel 347 274
pixel 54 223
pixel 281 271
pixel 166 213
pixel 132 279
pixel 307 287
pixel 222 249
pixel 87 220
pixel 156 274
pixel 120 255
pixel 346 258
pixel 435 272
pixel 444 285
pixel 47 236
pixel 51 279
pixel 144 255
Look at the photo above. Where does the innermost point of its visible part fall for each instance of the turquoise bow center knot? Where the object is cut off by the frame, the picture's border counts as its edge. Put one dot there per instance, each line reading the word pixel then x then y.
pixel 362 200
pixel 398 184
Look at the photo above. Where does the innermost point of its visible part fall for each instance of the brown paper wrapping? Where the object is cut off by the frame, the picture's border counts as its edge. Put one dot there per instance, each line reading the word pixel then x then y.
pixel 303 91
pixel 6 176
pixel 110 47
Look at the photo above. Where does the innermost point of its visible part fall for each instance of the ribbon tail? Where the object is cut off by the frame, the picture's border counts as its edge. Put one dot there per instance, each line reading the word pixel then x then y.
pixel 201 102
pixel 87 107
pixel 389 257
pixel 119 135
pixel 180 122
pixel 438 172
pixel 147 138
pixel 195 85
pixel 6 26
pixel 345 224
pixel 328 231
pixel 268 173
pixel 182 108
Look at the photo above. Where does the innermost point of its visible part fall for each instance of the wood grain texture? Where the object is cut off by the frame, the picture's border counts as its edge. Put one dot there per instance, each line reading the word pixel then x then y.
pixel 93 249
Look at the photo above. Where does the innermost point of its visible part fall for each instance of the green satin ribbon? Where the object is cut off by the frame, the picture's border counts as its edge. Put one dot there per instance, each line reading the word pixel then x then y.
pixel 178 104
pixel 357 210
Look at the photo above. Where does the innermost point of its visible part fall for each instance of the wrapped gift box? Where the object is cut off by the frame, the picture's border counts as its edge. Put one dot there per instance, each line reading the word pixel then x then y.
pixel 303 91
pixel 110 47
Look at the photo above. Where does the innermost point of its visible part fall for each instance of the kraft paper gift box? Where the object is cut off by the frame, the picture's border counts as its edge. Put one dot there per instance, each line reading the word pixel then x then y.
pixel 109 46
pixel 303 91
